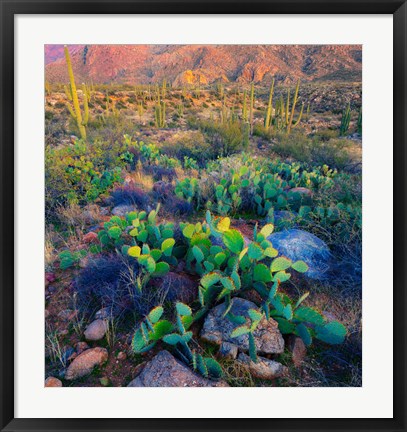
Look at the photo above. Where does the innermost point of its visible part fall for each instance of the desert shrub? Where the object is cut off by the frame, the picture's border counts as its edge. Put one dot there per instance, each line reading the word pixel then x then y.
pixel 225 138
pixel 192 145
pixel 178 206
pixel 110 282
pixel 128 195
pixel 73 176
pixel 160 173
pixel 334 153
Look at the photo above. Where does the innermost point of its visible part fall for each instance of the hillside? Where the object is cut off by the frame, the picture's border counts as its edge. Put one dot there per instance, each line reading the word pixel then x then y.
pixel 182 64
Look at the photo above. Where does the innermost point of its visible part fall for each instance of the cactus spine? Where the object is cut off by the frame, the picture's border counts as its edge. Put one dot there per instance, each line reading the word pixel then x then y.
pixel 251 107
pixel 345 121
pixel 269 112
pixel 76 111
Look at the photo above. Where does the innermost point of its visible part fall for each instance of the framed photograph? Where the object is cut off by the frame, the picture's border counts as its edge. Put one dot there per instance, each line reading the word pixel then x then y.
pixel 203 215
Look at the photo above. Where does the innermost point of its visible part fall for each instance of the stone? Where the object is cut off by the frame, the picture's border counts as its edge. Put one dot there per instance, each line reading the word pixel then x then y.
pixel 228 350
pixel 123 209
pixel 298 349
pixel 301 191
pixel 46 313
pixel 217 329
pixel 164 370
pixel 85 363
pixel 121 356
pixel 52 382
pixel 264 368
pixel 104 313
pixel 90 237
pixel 80 347
pixel 297 245
pixel 96 330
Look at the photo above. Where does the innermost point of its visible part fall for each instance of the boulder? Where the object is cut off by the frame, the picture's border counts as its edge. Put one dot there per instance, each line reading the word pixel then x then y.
pixel 123 209
pixel 297 245
pixel 264 368
pixel 85 363
pixel 80 347
pixel 217 329
pixel 52 382
pixel 96 330
pixel 164 370
pixel 297 348
pixel 228 350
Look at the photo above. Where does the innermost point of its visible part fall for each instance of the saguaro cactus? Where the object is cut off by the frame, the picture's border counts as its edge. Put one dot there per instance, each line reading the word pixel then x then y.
pixel 290 122
pixel 269 112
pixel 345 121
pixel 76 109
pixel 244 108
pixel 251 107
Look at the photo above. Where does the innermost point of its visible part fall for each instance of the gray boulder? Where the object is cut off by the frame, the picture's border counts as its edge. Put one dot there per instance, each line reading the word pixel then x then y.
pixel 297 245
pixel 164 370
pixel 217 329
pixel 96 330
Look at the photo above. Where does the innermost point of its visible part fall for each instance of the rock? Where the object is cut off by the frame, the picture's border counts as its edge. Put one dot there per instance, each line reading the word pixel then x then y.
pixel 298 349
pixel 179 287
pixel 96 330
pixel 46 313
pixel 123 209
pixel 85 363
pixel 104 313
pixel 80 347
pixel 264 368
pixel 90 237
pixel 217 329
pixel 302 191
pixel 52 382
pixel 164 370
pixel 228 350
pixel 121 356
pixel 301 245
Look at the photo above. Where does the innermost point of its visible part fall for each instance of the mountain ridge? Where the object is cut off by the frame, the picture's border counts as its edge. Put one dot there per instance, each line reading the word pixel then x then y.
pixel 190 64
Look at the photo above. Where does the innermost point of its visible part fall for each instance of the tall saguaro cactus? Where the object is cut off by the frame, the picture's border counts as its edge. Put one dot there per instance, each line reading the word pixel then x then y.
pixel 251 107
pixel 76 109
pixel 269 112
pixel 290 122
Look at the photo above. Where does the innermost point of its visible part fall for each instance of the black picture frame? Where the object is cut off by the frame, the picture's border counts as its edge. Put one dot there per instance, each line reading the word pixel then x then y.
pixel 10 8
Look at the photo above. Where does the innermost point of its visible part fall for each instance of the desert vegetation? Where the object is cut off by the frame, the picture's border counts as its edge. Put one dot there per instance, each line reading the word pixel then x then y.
pixel 208 234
